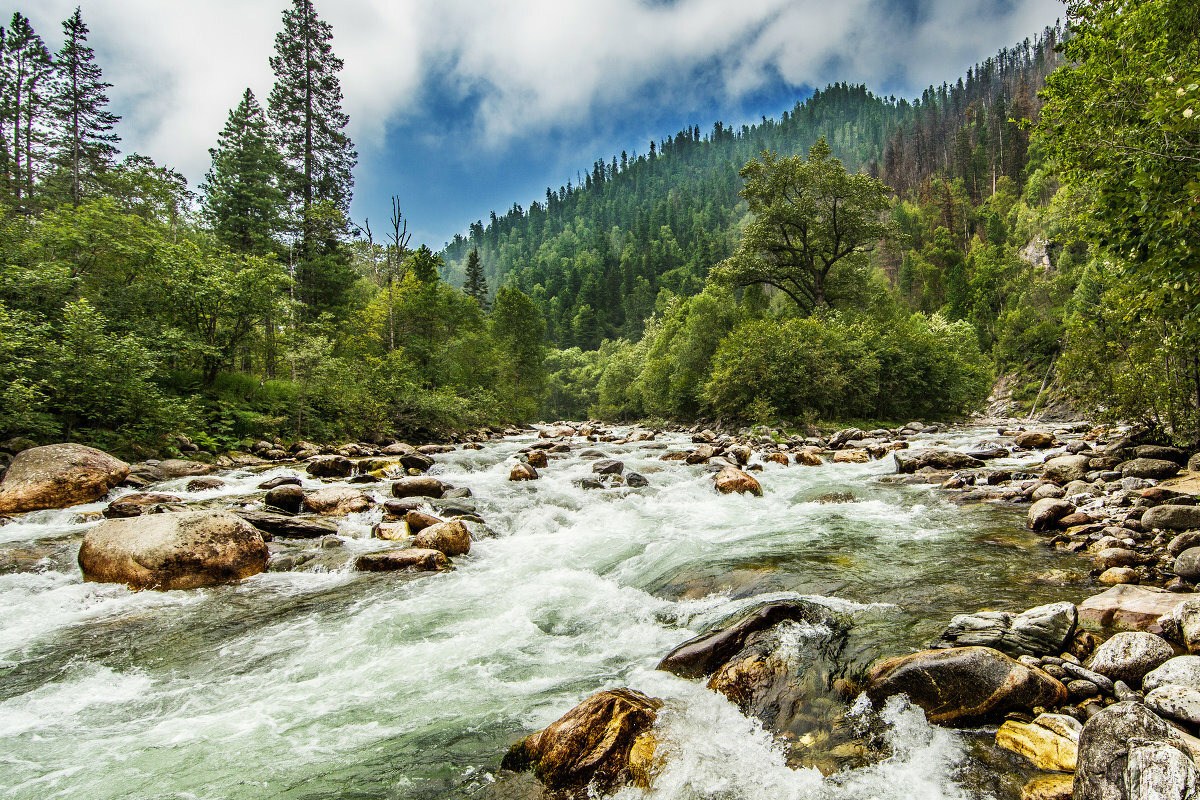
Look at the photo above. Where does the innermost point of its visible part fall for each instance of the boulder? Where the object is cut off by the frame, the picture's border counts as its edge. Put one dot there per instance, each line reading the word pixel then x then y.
pixel 1034 440
pixel 1182 624
pixel 418 521
pixel 1118 557
pixel 1148 468
pixel 934 459
pixel 1158 771
pixel 452 538
pixel 283 480
pixel 1050 742
pixel 1045 630
pixel 1187 565
pixel 288 497
pixel 337 501
pixel 418 487
pixel 411 559
pixel 1181 703
pixel 774 458
pixel 732 479
pixel 1172 518
pixel 286 527
pixel 133 505
pixel 1184 541
pixel 538 459
pixel 591 745
pixel 1129 607
pixel 330 467
pixel 809 457
pixel 1180 670
pixel 964 685
pixel 1129 655
pixel 523 472
pixel 57 476
pixel 181 468
pixel 701 454
pixel 204 484
pixel 636 480
pixel 1048 787
pixel 851 457
pixel 1161 453
pixel 179 550
pixel 1065 469
pixel 1106 749
pixel 1046 513
pixel 1116 576
pixel 608 466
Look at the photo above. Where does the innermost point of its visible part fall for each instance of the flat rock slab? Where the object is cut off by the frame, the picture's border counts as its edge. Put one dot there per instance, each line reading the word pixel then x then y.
pixel 1044 630
pixel 1129 607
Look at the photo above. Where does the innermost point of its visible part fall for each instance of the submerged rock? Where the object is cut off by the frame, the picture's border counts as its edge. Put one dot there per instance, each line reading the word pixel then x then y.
pixel 1045 630
pixel 57 476
pixel 411 559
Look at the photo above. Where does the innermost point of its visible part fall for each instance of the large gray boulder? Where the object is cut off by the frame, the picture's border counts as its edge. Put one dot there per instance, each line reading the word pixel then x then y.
pixel 1187 564
pixel 1181 624
pixel 1180 670
pixel 1158 771
pixel 1129 655
pixel 1148 468
pixel 934 459
pixel 1114 764
pixel 1172 517
pixel 57 476
pixel 1065 469
pixel 1045 630
pixel 177 550
pixel 1046 513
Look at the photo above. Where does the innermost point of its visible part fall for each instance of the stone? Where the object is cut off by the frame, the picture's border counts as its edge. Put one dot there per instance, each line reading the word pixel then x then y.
pixel 176 550
pixel 1180 670
pixel 1129 607
pixel 452 538
pixel 732 479
pixel 636 480
pixel 523 472
pixel 1065 469
pixel 411 559
pixel 1180 703
pixel 204 484
pixel 1034 440
pixel 133 505
pixel 330 467
pixel 934 459
pixel 286 527
pixel 1118 557
pixel 851 457
pixel 390 531
pixel 337 501
pixel 608 466
pixel 964 685
pixel 1045 630
pixel 57 476
pixel 1158 771
pixel 775 458
pixel 418 487
pixel 1046 513
pixel 182 468
pixel 590 745
pixel 418 521
pixel 1048 490
pixel 1149 468
pixel 1116 576
pixel 809 457
pixel 1049 787
pixel 1172 518
pixel 1184 541
pixel 1129 655
pixel 1182 625
pixel 1161 453
pixel 288 497
pixel 1050 742
pixel 701 454
pixel 283 480
pixel 1106 745
pixel 538 459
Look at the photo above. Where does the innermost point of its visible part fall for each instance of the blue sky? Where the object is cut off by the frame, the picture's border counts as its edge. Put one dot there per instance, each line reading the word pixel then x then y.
pixel 464 106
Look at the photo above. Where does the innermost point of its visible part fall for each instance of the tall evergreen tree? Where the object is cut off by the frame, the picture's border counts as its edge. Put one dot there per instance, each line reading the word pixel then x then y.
pixel 86 144
pixel 27 68
pixel 243 200
pixel 306 108
pixel 475 284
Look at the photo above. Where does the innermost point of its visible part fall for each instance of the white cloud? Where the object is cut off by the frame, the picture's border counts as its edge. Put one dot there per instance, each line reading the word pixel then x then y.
pixel 531 65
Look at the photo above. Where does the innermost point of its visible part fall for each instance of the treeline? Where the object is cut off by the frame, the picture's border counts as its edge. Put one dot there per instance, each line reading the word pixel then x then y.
pixel 133 308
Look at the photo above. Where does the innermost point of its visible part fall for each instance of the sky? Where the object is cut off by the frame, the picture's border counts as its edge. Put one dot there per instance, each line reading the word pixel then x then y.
pixel 459 107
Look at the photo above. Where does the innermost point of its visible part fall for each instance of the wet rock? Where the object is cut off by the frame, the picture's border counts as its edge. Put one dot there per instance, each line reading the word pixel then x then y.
pixel 418 521
pixel 286 527
pixel 1157 771
pixel 1180 670
pixel 1039 631
pixel 1048 490
pixel 1187 565
pixel 288 497
pixel 1129 655
pixel 1149 468
pixel 1181 703
pixel 851 457
pixel 1172 517
pixel 1116 576
pixel 1065 469
pixel 809 457
pixel 181 468
pixel 1080 689
pixel 452 538
pixel 775 458
pixel 934 459
pixel 1048 787
pixel 1129 607
pixel 133 505
pixel 390 531
pixel 590 745
pixel 964 685
pixel 523 472
pixel 1182 625
pixel 1034 440
pixel 538 459
pixel 411 559
pixel 732 479
pixel 700 454
pixel 418 487
pixel 180 550
pixel 1108 744
pixel 337 501
pixel 275 483
pixel 205 484
pixel 636 480
pixel 330 467
pixel 57 476
pixel 608 466
pixel 1050 742
pixel 1046 513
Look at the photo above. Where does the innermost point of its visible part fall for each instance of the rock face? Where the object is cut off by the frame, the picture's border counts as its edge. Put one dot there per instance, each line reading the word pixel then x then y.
pixel 732 479
pixel 1045 630
pixel 1050 742
pixel 1046 513
pixel 1172 518
pixel 964 685
pixel 411 559
pixel 418 487
pixel 337 500
pixel 451 538
pixel 57 476
pixel 1129 607
pixel 1129 655
pixel 181 550
pixel 1109 764
pixel 1065 469
pixel 590 745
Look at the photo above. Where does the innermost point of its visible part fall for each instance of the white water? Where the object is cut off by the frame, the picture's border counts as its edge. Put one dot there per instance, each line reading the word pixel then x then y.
pixel 336 684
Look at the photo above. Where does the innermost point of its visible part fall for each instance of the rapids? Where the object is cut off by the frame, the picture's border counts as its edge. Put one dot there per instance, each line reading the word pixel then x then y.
pixel 329 683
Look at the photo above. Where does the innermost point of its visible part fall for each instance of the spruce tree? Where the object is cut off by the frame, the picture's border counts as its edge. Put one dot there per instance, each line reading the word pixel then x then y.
pixel 243 200
pixel 306 108
pixel 85 142
pixel 27 69
pixel 475 284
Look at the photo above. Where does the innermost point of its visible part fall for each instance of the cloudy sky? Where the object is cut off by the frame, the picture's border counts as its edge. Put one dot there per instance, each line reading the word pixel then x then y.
pixel 463 106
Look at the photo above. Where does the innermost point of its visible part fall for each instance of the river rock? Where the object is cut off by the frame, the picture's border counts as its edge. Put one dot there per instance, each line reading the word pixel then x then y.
pixel 701 454
pixel 636 480
pixel 410 559
pixel 1034 440
pixel 1157 771
pixel 337 501
pixel 330 467
pixel 204 484
pixel 934 459
pixel 284 526
pixel 851 457
pixel 452 538
pixel 523 472
pixel 1049 787
pixel 1180 703
pixel 177 550
pixel 418 487
pixel 57 476
pixel 1050 742
pixel 1161 453
pixel 1045 630
pixel 591 745
pixel 1148 468
pixel 283 480
pixel 1048 490
pixel 964 685
pixel 1180 670
pixel 1182 624
pixel 1172 518
pixel 809 457
pixel 732 479
pixel 1046 513
pixel 1187 565
pixel 1064 469
pixel 418 521
pixel 1129 655
pixel 608 466
pixel 538 459
pixel 1107 743
pixel 1115 576
pixel 1129 607
pixel 182 468
pixel 1118 557
pixel 1184 541
pixel 288 498
pixel 133 505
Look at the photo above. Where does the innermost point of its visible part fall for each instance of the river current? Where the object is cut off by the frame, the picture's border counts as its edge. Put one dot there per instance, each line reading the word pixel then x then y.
pixel 330 683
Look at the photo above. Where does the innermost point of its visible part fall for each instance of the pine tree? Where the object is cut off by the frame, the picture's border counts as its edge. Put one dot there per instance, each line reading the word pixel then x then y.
pixel 86 145
pixel 306 108
pixel 27 69
pixel 475 284
pixel 243 200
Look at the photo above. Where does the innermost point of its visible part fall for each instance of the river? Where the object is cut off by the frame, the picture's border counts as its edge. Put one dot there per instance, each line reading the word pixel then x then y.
pixel 329 683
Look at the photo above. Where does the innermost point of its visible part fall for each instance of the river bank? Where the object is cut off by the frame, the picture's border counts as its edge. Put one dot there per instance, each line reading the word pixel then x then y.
pixel 313 677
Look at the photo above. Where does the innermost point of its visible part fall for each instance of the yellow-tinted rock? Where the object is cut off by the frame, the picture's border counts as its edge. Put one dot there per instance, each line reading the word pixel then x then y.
pixel 731 479
pixel 1048 742
pixel 645 760
pixel 1049 787
pixel 851 457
